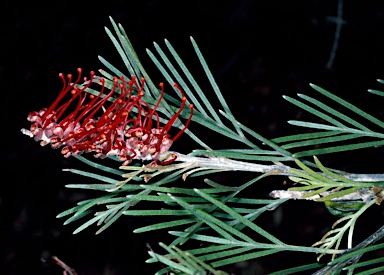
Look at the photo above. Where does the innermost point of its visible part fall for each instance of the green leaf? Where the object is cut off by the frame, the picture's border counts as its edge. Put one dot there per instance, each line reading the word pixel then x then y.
pixel 319 141
pixel 282 151
pixel 99 166
pixel 118 211
pixel 237 216
pixel 170 263
pixel 163 225
pixel 163 212
pixel 365 263
pixel 164 199
pixel 244 257
pixel 217 225
pixel 121 53
pixel 78 216
pixel 376 92
pixel 87 224
pixel 376 270
pixel 196 87
pixel 214 85
pixel 348 105
pixel 352 254
pixel 334 112
pixel 111 67
pixel 301 137
pixel 92 175
pixel 340 148
pixel 297 269
pixel 314 111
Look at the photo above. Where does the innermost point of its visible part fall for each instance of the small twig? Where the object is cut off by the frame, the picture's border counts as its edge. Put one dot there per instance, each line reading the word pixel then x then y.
pixel 67 270
pixel 339 22
pixel 329 269
pixel 364 194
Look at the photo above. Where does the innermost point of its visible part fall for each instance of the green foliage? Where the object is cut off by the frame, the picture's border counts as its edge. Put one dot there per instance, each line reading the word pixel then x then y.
pixel 222 221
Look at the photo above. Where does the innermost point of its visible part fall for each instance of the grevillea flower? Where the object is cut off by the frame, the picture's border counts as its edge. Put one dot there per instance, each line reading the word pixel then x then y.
pixel 117 123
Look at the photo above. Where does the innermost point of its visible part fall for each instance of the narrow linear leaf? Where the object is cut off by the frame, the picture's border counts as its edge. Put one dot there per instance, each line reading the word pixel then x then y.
pixel 124 206
pixel 340 148
pixel 296 137
pixel 365 263
pixel 244 257
pixel 87 224
pixel 334 112
pixel 76 217
pixel 319 141
pixel 199 92
pixel 297 269
pixel 163 212
pixel 237 216
pixel 348 105
pixel 282 151
pixel 120 51
pixel 314 111
pixel 376 92
pixel 213 83
pixel 110 67
pixel 358 252
pixel 163 225
pixel 92 175
pixel 222 254
pixel 170 263
pixel 376 270
pixel 99 166
pixel 219 226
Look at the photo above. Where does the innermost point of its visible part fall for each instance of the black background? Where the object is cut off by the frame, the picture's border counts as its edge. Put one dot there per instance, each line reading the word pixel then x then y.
pixel 257 51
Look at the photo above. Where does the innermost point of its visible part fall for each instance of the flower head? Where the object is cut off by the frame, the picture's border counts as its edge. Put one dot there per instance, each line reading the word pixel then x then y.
pixel 118 123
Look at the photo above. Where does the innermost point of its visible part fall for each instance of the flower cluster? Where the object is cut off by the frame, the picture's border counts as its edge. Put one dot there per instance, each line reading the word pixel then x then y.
pixel 117 123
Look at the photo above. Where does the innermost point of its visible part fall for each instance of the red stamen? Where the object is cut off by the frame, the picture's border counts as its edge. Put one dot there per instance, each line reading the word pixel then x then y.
pixel 175 116
pixel 186 123
pixel 155 108
pixel 63 92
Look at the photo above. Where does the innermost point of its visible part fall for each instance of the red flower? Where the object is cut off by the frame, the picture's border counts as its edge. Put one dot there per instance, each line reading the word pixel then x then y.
pixel 126 126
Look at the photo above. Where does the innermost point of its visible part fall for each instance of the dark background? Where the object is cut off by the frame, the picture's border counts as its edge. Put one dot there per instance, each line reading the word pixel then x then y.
pixel 257 51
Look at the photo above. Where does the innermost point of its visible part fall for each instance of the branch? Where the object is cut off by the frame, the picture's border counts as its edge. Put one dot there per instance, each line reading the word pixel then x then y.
pixel 221 163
